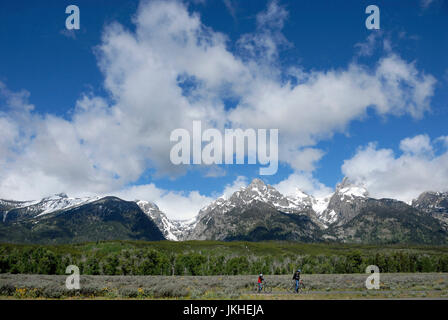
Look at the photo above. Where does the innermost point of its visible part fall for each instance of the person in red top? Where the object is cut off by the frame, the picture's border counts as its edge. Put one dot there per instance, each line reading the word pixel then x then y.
pixel 260 282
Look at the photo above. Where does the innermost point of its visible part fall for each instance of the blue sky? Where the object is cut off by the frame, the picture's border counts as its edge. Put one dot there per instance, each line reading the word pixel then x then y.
pixel 75 82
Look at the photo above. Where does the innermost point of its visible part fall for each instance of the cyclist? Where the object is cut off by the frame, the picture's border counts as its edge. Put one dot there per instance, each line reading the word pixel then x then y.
pixel 296 277
pixel 260 282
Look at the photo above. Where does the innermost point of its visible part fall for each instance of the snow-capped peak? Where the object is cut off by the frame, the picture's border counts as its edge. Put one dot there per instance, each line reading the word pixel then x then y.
pixel 300 194
pixel 298 203
pixel 61 201
pixel 342 203
pixel 351 189
pixel 147 206
pixel 48 204
pixel 257 183
pixel 56 197
pixel 258 191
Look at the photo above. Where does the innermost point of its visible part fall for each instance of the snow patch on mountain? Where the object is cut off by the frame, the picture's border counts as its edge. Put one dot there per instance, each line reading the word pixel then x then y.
pixel 431 201
pixel 60 202
pixel 171 229
pixel 326 210
pixel 257 190
pixel 320 204
pixel 349 189
pixel 37 208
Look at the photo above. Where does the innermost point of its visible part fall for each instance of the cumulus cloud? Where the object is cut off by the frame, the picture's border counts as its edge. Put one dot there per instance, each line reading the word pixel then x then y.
pixel 260 49
pixel 177 205
pixel 387 175
pixel 367 47
pixel 108 144
pixel 329 100
pixel 172 69
pixel 303 181
pixel 420 144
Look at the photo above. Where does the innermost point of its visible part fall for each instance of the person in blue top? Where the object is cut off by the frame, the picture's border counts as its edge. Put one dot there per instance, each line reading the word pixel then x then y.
pixel 296 277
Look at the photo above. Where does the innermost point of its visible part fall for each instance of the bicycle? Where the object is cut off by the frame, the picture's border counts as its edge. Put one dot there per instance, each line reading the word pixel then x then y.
pixel 265 288
pixel 302 287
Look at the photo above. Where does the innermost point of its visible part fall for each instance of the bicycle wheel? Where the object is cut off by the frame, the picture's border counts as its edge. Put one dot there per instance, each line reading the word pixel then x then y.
pixel 267 288
pixel 292 288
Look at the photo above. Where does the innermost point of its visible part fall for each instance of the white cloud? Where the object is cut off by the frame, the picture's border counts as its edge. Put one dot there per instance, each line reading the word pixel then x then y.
pixel 303 159
pixel 263 45
pixel 367 47
pixel 403 177
pixel 176 205
pixel 303 181
pixel 328 101
pixel 420 144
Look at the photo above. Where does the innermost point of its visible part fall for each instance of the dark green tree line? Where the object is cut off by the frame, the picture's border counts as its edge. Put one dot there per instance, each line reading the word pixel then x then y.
pixel 141 261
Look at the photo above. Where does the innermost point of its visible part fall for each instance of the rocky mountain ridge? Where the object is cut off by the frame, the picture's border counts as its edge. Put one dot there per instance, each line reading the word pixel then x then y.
pixel 260 212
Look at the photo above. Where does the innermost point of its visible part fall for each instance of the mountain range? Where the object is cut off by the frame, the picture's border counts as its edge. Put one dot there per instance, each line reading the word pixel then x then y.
pixel 257 212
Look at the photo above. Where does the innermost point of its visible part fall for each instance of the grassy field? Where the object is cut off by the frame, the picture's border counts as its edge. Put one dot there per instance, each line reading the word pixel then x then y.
pixel 318 286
